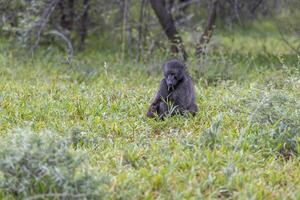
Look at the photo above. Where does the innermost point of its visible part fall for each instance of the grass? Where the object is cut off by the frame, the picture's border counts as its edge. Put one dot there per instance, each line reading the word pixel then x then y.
pixel 243 143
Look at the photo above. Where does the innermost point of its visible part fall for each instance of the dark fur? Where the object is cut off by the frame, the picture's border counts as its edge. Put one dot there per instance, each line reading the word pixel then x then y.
pixel 176 89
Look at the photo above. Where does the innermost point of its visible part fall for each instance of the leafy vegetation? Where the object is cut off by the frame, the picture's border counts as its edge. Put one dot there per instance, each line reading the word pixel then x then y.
pixel 42 166
pixel 243 143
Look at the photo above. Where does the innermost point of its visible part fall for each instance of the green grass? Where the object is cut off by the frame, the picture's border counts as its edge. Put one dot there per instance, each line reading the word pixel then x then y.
pixel 243 143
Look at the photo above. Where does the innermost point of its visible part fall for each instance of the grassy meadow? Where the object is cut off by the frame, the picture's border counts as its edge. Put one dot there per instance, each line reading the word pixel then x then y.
pixel 242 144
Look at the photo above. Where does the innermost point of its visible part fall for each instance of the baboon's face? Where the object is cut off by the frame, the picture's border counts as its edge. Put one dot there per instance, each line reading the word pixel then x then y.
pixel 173 73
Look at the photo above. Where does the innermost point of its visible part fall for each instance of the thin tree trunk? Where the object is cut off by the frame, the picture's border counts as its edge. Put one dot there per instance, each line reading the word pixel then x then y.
pixel 83 24
pixel 125 29
pixel 128 29
pixel 34 37
pixel 67 14
pixel 70 14
pixel 254 8
pixel 140 50
pixel 208 31
pixel 167 23
pixel 277 6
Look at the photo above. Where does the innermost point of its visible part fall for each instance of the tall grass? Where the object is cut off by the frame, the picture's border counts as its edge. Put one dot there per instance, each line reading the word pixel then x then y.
pixel 242 144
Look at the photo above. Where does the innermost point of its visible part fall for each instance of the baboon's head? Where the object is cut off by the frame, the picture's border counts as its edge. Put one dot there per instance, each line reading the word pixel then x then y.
pixel 174 73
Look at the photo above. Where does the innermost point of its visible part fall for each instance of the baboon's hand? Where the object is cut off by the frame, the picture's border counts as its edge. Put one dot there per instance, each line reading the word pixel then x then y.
pixel 152 110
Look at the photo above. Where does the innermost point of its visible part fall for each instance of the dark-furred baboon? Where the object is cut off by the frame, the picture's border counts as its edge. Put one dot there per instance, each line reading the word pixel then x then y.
pixel 176 92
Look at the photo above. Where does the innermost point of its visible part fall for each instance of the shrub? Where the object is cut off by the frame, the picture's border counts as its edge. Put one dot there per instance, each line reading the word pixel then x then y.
pixel 42 165
pixel 276 118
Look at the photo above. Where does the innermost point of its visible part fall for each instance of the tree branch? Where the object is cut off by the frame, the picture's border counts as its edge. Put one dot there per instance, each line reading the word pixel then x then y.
pixel 41 23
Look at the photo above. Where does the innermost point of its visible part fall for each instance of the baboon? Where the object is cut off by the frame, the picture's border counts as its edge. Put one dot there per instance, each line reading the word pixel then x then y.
pixel 176 93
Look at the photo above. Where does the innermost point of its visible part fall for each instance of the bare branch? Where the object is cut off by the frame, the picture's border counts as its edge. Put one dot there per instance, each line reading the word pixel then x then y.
pixel 68 42
pixel 256 6
pixel 41 23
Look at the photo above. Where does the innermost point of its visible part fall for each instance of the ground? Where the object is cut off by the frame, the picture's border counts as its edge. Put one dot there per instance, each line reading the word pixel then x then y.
pixel 243 143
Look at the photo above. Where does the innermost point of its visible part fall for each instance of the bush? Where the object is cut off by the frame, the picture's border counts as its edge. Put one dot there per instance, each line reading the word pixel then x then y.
pixel 276 118
pixel 44 166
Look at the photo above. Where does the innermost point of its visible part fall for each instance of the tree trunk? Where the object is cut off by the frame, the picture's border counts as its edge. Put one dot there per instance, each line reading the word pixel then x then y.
pixel 167 23
pixel 207 34
pixel 254 8
pixel 67 14
pixel 83 24
pixel 34 33
pixel 140 49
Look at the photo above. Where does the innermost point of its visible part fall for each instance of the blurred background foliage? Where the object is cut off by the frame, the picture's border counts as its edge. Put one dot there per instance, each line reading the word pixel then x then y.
pixel 131 31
